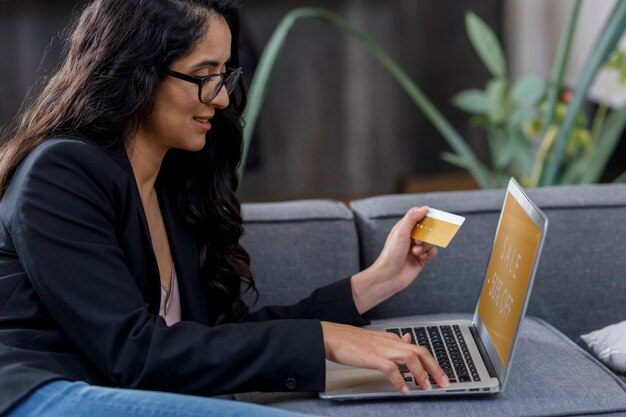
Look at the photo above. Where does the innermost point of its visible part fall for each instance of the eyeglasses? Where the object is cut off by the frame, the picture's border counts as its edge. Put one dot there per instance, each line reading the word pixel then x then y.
pixel 209 87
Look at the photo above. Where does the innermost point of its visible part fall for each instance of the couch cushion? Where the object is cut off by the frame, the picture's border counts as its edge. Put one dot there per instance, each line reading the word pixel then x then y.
pixel 550 376
pixel 580 281
pixel 609 346
pixel 296 247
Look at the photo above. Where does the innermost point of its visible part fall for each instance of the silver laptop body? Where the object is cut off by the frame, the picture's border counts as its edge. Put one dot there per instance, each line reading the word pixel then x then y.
pixel 487 355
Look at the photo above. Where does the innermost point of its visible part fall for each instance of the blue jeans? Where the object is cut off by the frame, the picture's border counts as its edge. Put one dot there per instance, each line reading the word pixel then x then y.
pixel 77 399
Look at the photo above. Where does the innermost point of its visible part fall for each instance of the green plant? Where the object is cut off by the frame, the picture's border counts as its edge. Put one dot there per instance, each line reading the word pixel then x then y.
pixel 259 84
pixel 532 132
pixel 529 122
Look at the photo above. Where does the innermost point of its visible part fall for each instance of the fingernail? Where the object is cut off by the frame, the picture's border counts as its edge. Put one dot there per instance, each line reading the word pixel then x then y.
pixel 426 384
pixel 444 381
pixel 405 390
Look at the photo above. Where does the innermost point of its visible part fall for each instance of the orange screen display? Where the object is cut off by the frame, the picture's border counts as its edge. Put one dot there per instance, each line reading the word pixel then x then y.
pixel 508 273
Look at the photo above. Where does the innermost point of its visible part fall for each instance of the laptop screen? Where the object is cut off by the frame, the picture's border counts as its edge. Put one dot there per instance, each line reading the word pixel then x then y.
pixel 510 268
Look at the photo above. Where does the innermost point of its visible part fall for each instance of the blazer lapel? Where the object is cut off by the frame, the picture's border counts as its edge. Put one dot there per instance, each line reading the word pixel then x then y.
pixel 184 250
pixel 152 286
pixel 186 260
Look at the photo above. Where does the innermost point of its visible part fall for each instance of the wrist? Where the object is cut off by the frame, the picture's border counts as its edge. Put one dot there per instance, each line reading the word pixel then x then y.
pixel 371 287
pixel 328 338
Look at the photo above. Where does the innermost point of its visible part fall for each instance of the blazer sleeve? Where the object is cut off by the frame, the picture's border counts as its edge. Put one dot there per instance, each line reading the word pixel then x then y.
pixel 333 302
pixel 66 201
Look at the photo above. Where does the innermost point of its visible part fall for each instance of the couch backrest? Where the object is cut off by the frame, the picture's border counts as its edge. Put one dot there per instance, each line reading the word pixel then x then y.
pixel 581 280
pixel 298 246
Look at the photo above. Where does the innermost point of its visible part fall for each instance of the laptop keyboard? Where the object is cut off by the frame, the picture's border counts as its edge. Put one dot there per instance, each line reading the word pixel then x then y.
pixel 447 344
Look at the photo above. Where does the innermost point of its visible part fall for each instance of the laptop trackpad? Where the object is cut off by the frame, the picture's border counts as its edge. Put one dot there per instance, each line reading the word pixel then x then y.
pixel 346 380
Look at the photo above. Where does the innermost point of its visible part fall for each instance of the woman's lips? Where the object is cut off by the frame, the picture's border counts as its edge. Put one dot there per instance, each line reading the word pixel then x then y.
pixel 204 123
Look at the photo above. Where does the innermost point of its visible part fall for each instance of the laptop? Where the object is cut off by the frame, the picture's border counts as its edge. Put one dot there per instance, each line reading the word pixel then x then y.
pixel 476 355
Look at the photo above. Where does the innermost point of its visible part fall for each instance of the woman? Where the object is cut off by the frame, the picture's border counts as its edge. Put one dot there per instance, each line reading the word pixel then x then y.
pixel 120 263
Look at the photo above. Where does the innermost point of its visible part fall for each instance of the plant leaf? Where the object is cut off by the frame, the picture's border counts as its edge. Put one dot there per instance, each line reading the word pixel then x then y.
pixel 611 134
pixel 608 38
pixel 558 67
pixel 528 89
pixel 461 161
pixel 520 116
pixel 470 164
pixel 268 59
pixel 523 158
pixel 486 44
pixel 262 75
pixel 500 148
pixel 506 154
pixel 497 89
pixel 573 173
pixel 474 101
pixel 621 178
pixel 457 160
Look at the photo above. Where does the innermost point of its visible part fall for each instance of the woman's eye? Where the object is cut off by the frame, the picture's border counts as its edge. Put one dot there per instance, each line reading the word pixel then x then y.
pixel 208 74
pixel 203 73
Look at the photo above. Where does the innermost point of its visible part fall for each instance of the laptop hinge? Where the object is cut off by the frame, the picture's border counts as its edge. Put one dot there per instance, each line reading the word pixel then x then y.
pixel 483 352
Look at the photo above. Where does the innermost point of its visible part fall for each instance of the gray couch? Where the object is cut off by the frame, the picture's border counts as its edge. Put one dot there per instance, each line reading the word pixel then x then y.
pixel 580 286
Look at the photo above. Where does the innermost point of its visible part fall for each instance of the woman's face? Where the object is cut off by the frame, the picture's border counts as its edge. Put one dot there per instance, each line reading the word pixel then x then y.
pixel 179 119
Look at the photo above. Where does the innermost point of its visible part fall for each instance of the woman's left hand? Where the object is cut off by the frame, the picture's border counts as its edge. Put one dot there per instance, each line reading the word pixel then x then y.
pixel 398 265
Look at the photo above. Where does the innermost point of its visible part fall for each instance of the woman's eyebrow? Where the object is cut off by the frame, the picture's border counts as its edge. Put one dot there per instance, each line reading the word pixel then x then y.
pixel 208 63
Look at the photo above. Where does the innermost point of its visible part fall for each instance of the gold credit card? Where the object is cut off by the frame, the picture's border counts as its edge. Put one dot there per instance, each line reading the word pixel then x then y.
pixel 437 227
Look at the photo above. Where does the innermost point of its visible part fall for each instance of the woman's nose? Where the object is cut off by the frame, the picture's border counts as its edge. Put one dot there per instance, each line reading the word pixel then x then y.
pixel 221 100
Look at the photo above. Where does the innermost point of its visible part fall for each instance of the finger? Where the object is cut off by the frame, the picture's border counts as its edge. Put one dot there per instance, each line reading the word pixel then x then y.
pixel 426 247
pixel 430 253
pixel 416 214
pixel 427 256
pixel 391 371
pixel 406 338
pixel 410 219
pixel 420 375
pixel 390 339
pixel 387 335
pixel 430 365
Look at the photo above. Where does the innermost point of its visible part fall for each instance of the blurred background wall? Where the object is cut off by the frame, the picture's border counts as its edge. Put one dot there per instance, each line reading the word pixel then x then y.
pixel 335 123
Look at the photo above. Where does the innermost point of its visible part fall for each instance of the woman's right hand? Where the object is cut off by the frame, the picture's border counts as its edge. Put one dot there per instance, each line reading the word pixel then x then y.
pixel 362 348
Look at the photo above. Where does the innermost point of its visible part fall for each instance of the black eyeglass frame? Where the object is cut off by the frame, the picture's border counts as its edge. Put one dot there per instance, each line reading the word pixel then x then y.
pixel 229 80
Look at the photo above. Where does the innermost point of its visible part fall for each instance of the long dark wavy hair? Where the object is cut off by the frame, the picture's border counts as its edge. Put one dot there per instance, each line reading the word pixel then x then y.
pixel 114 62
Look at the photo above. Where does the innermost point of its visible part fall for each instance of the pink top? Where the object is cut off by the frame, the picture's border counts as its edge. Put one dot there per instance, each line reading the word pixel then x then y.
pixel 170 300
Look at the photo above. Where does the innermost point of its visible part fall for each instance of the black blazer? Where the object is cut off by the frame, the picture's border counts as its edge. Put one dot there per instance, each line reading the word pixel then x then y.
pixel 80 293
